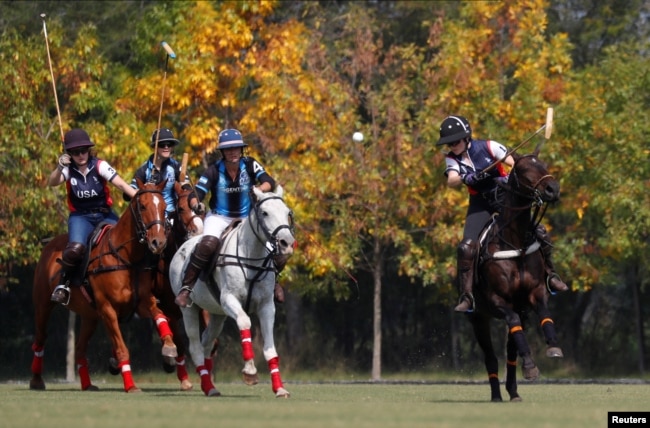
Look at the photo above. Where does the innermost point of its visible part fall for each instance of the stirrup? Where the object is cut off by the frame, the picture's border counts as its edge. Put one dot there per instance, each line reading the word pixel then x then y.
pixel 189 303
pixel 470 299
pixel 61 294
pixel 549 277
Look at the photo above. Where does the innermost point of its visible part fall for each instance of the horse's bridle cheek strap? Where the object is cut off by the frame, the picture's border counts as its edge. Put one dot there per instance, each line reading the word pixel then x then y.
pixel 139 225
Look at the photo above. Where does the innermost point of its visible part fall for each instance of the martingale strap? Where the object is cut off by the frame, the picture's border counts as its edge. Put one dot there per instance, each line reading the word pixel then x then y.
pixel 511 254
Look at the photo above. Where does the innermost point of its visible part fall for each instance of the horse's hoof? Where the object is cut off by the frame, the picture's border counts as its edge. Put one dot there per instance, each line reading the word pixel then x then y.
pixel 91 388
pixel 497 400
pixel 186 385
pixel 516 399
pixel 282 393
pixel 168 367
pixel 112 367
pixel 37 384
pixel 250 379
pixel 169 351
pixel 213 393
pixel 134 389
pixel 531 373
pixel 169 364
pixel 554 352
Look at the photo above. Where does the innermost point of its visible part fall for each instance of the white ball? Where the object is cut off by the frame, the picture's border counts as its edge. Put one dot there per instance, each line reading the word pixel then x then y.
pixel 357 136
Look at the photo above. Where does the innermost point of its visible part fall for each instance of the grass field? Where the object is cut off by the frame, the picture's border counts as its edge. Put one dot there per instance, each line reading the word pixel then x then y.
pixel 316 405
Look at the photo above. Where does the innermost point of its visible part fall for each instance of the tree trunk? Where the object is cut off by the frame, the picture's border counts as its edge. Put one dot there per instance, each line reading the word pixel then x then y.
pixel 69 360
pixel 633 277
pixel 377 274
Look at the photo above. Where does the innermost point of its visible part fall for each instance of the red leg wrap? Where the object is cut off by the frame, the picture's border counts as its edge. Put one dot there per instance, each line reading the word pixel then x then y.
pixel 181 370
pixel 127 377
pixel 206 382
pixel 246 345
pixel 37 360
pixel 163 327
pixel 274 368
pixel 208 364
pixel 84 376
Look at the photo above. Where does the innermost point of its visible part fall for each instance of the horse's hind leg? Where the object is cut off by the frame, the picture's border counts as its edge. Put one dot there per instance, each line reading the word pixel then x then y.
pixel 511 369
pixel 88 327
pixel 42 314
pixel 192 330
pixel 481 325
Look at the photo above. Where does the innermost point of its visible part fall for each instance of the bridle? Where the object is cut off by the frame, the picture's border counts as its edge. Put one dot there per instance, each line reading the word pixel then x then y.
pixel 271 240
pixel 136 209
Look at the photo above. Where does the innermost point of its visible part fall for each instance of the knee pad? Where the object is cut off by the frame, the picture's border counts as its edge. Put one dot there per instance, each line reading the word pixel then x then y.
pixel 467 249
pixel 73 253
pixel 206 247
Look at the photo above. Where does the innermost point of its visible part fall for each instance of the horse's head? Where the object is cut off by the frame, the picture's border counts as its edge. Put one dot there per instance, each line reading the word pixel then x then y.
pixel 275 220
pixel 191 224
pixel 530 178
pixel 148 210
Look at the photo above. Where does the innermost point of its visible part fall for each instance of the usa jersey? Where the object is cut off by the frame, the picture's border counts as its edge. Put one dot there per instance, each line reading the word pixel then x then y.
pixel 89 192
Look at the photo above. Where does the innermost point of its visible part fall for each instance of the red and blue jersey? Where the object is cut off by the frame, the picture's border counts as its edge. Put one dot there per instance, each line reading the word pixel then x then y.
pixel 89 192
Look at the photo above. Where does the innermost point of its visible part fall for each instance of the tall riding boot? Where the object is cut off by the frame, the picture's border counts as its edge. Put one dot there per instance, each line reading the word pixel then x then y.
pixel 200 257
pixel 72 255
pixel 465 266
pixel 553 281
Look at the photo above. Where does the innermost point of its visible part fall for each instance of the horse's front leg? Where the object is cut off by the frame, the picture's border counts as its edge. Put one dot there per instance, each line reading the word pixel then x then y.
pixel 149 307
pixel 540 303
pixel 233 309
pixel 266 315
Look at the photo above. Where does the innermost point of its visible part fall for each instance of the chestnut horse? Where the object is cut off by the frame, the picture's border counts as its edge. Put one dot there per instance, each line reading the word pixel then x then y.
pixel 118 286
pixel 511 274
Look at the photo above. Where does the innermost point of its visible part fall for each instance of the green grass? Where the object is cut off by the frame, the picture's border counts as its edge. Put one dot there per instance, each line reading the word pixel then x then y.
pixel 316 405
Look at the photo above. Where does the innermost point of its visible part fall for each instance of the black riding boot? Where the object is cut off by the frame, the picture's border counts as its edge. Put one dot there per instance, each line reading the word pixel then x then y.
pixel 553 281
pixel 465 266
pixel 200 257
pixel 72 255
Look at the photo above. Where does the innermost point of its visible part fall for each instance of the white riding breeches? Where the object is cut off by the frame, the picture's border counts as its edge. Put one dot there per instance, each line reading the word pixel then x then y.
pixel 215 224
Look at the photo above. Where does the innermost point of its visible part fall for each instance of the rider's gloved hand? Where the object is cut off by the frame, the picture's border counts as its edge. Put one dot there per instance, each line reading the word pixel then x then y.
pixel 473 178
pixel 64 161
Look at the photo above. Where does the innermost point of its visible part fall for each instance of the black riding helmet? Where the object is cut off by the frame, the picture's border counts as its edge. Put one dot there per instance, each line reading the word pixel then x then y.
pixel 454 128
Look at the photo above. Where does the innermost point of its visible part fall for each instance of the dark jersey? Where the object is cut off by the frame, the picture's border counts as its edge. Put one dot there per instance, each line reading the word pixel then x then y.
pixel 169 170
pixel 89 192
pixel 482 153
pixel 231 198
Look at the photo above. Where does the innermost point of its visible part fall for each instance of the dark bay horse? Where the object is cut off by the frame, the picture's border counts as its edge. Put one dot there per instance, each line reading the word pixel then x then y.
pixel 117 288
pixel 511 274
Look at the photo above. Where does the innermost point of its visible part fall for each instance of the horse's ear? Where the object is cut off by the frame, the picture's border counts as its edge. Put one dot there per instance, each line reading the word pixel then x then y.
pixel 279 190
pixel 257 194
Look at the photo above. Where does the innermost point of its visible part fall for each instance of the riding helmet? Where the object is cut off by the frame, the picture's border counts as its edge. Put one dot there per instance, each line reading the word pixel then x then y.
pixel 76 138
pixel 164 134
pixel 230 138
pixel 452 129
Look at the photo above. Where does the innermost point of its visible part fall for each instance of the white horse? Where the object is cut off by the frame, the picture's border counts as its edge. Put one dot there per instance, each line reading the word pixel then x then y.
pixel 242 281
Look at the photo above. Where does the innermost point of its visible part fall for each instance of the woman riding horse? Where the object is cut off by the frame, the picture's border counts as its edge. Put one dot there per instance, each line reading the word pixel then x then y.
pixel 465 162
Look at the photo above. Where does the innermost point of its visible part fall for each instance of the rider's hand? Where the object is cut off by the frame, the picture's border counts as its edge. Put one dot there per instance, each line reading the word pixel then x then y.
pixel 501 180
pixel 473 178
pixel 199 208
pixel 64 161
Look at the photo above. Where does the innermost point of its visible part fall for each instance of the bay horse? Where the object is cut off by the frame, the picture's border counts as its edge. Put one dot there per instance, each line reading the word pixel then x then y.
pixel 511 273
pixel 117 286
pixel 242 281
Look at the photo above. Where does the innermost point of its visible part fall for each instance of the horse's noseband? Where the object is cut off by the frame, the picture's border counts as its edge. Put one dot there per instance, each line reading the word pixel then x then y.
pixel 532 191
pixel 136 209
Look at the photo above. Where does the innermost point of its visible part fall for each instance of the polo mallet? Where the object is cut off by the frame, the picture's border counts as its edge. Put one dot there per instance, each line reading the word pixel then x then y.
pixel 170 54
pixel 548 127
pixel 49 62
